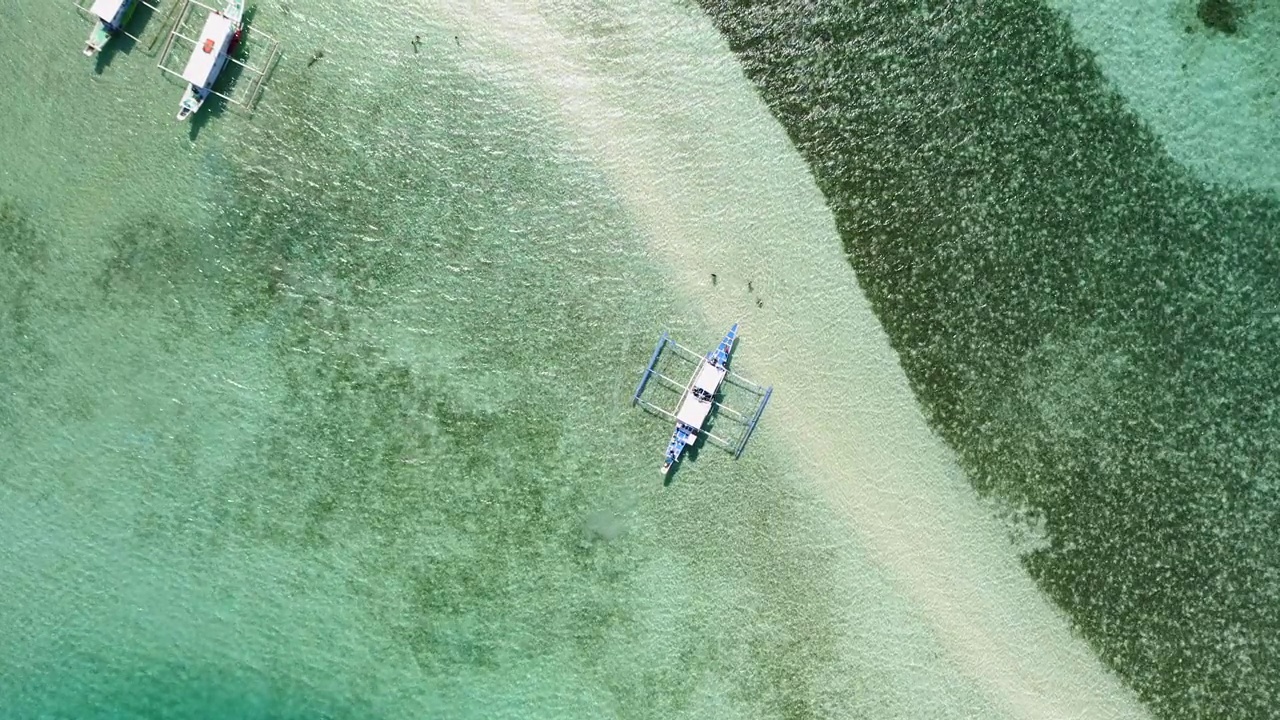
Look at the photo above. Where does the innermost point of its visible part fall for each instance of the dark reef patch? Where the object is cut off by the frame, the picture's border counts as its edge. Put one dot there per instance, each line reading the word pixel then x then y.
pixel 1089 326
pixel 22 247
pixel 24 262
pixel 154 267
pixel 24 258
pixel 148 254
pixel 422 427
pixel 465 504
pixel 1221 15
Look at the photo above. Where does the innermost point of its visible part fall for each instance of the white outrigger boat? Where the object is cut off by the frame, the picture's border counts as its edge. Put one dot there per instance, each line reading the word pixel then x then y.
pixel 212 49
pixel 700 396
pixel 109 18
pixel 217 40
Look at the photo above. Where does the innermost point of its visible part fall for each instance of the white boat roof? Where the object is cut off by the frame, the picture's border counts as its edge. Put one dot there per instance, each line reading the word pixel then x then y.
pixel 210 44
pixel 107 9
pixel 692 411
pixel 709 377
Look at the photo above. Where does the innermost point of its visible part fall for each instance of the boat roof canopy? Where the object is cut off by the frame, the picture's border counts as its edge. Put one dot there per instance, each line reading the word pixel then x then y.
pixel 709 377
pixel 692 411
pixel 107 10
pixel 210 45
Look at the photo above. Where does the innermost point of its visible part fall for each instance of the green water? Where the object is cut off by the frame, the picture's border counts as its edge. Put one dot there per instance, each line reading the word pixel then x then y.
pixel 323 412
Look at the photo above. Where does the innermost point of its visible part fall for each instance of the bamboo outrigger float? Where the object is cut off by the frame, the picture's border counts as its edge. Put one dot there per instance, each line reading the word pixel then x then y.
pixel 700 396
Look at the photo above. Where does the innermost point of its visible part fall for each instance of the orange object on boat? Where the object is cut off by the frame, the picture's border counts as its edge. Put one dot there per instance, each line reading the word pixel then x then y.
pixel 208 44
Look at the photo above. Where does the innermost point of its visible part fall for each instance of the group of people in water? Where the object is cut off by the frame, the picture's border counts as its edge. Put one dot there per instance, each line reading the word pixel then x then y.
pixel 750 289
pixel 417 45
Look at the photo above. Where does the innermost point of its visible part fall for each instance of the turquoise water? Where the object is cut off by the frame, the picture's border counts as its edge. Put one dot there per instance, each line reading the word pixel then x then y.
pixel 302 419
pixel 323 412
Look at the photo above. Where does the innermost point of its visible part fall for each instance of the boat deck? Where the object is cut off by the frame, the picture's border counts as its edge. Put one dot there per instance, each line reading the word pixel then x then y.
pixel 693 411
pixel 142 17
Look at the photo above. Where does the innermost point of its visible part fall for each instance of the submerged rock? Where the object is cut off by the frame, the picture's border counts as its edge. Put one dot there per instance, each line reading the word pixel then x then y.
pixel 1221 15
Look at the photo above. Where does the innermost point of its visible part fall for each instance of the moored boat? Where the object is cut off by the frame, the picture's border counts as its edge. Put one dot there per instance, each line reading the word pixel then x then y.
pixel 214 45
pixel 699 398
pixel 109 18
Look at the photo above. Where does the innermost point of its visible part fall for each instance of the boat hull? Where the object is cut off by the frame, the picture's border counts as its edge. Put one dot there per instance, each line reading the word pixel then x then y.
pixel 200 84
pixel 698 399
pixel 99 36
pixel 104 29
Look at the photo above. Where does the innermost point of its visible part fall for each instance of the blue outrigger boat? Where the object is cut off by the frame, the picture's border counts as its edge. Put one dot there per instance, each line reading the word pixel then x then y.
pixel 700 396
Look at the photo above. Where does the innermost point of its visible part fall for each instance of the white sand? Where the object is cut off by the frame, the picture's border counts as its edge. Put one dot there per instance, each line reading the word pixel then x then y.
pixel 712 180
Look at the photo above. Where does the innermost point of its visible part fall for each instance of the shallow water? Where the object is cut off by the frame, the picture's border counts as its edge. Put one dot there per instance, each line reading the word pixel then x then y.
pixel 323 412
pixel 301 419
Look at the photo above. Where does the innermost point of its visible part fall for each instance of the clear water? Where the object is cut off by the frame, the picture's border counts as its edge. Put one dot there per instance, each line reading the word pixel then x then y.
pixel 323 412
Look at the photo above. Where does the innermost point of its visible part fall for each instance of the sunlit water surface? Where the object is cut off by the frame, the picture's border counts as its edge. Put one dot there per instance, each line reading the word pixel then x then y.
pixel 323 412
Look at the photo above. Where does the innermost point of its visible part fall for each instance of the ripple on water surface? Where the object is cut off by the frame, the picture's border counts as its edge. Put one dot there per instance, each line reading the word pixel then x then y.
pixel 338 429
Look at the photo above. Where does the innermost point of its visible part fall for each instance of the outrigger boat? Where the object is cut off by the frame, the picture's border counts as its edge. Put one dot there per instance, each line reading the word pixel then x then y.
pixel 700 396
pixel 211 51
pixel 217 40
pixel 109 18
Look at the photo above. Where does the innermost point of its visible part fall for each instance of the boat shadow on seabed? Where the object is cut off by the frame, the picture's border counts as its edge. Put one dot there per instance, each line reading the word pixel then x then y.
pixel 122 45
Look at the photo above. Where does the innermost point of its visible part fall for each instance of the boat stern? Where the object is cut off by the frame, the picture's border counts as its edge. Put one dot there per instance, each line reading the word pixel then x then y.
pixel 680 439
pixel 192 99
pixel 98 38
